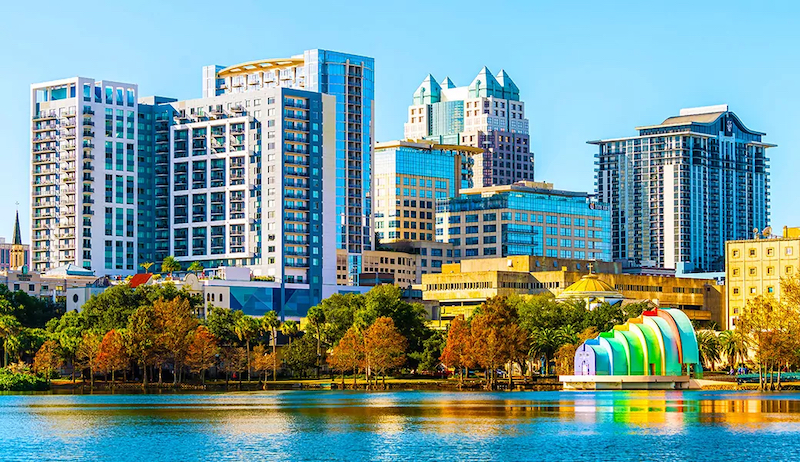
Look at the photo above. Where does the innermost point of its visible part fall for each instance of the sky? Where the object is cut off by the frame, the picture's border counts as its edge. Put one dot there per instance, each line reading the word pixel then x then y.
pixel 586 70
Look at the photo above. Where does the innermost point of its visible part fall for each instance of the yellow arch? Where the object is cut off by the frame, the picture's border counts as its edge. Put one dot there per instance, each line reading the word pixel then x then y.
pixel 652 325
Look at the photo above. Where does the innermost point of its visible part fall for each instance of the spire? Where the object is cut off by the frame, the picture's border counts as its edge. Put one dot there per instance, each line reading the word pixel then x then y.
pixel 510 89
pixel 17 240
pixel 428 91
pixel 447 83
pixel 485 85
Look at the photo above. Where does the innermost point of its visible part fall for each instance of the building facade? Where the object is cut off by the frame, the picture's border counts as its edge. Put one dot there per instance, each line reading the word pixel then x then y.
pixel 525 218
pixel 486 114
pixel 84 175
pixel 350 79
pixel 15 255
pixel 462 287
pixel 682 188
pixel 755 267
pixel 409 178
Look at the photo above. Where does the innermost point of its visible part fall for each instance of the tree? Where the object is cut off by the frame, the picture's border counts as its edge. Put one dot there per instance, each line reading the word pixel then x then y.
pixel 497 338
pixel 170 265
pixel 113 355
pixel 544 344
pixel 316 319
pixel 409 318
pixel 221 322
pixel 196 267
pixel 565 354
pixel 734 344
pixel 88 352
pixel 348 354
pixel 457 352
pixel 9 326
pixel 202 351
pixel 47 359
pixel 270 323
pixel 68 332
pixel 428 359
pixel 246 329
pixel 290 329
pixel 146 266
pixel 709 348
pixel 141 338
pixel 339 315
pixel 384 347
pixel 263 362
pixel 174 324
pixel 301 355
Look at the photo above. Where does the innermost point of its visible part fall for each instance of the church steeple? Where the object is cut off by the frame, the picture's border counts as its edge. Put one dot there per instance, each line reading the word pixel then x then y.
pixel 17 254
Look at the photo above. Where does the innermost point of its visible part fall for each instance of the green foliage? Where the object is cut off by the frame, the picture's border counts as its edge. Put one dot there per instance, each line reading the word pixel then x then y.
pixel 339 315
pixel 222 322
pixel 21 381
pixel 195 267
pixel 170 264
pixel 301 355
pixel 112 308
pixel 428 358
pixel 544 312
pixel 29 311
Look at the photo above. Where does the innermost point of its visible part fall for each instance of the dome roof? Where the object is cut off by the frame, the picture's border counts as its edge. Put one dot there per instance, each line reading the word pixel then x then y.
pixel 590 286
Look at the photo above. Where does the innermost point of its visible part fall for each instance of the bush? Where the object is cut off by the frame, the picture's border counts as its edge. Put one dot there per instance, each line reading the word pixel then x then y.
pixel 11 381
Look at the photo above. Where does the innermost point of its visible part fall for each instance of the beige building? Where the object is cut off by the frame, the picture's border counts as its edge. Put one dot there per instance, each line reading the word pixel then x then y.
pixel 755 267
pixel 409 177
pixel 461 287
pixel 405 261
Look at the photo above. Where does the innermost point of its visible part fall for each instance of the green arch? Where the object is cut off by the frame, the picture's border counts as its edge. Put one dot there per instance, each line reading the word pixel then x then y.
pixel 602 366
pixel 636 364
pixel 688 339
pixel 653 347
pixel 619 360
pixel 671 361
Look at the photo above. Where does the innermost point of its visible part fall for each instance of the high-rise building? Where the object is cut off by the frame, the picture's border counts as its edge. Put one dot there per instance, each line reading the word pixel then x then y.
pixel 681 188
pixel 350 79
pixel 85 175
pixel 525 218
pixel 486 114
pixel 409 178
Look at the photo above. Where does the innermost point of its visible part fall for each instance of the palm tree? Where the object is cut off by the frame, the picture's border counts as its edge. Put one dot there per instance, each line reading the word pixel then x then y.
pixel 169 265
pixel 9 326
pixel 544 343
pixel 735 345
pixel 316 318
pixel 270 324
pixel 246 328
pixel 290 329
pixel 146 266
pixel 709 348
pixel 196 267
pixel 568 334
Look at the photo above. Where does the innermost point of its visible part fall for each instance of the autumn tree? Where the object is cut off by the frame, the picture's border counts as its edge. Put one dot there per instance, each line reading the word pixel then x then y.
pixel 202 351
pixel 384 348
pixel 113 354
pixel 497 338
pixel 457 353
pixel 141 341
pixel 263 361
pixel 88 352
pixel 47 359
pixel 348 354
pixel 174 325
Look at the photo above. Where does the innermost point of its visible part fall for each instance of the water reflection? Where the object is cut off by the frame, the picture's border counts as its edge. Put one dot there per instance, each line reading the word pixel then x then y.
pixel 402 425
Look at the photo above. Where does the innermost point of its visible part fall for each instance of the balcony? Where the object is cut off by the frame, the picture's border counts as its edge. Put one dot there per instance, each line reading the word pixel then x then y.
pixel 88 111
pixel 45 116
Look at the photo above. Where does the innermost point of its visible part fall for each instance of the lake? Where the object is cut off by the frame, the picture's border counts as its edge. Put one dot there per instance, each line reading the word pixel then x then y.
pixel 402 425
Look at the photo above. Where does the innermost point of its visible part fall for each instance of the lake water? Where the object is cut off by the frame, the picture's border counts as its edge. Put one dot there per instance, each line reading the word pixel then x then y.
pixel 403 425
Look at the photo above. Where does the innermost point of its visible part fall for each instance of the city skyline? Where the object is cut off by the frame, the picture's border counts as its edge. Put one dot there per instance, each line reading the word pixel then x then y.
pixel 569 98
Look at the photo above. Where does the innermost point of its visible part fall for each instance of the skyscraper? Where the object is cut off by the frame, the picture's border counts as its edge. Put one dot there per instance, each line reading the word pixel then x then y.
pixel 85 172
pixel 350 79
pixel 681 188
pixel 486 114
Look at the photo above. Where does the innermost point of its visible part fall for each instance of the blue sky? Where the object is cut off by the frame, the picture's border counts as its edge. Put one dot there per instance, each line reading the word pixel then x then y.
pixel 586 70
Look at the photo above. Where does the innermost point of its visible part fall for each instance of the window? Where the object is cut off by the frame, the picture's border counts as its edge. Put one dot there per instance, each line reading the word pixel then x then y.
pixel 770 252
pixel 735 254
pixel 752 271
pixel 752 290
pixel 736 271
pixel 770 290
pixel 735 291
pixel 752 252
pixel 770 270
pixel 789 269
pixel 789 250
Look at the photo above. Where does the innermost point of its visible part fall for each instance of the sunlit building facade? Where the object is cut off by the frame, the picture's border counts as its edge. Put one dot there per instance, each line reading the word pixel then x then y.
pixel 409 178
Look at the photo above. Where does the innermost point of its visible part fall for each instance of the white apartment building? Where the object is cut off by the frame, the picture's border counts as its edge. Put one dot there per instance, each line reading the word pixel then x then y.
pixel 84 175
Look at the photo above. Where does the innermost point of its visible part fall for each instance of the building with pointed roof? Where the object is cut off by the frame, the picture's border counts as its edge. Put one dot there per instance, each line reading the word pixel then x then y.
pixel 682 188
pixel 486 114
pixel 14 255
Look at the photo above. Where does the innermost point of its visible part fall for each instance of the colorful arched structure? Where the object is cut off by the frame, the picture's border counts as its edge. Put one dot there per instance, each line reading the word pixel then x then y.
pixel 660 342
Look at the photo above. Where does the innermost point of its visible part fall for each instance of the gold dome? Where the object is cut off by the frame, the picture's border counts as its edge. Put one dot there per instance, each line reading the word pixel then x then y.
pixel 590 286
